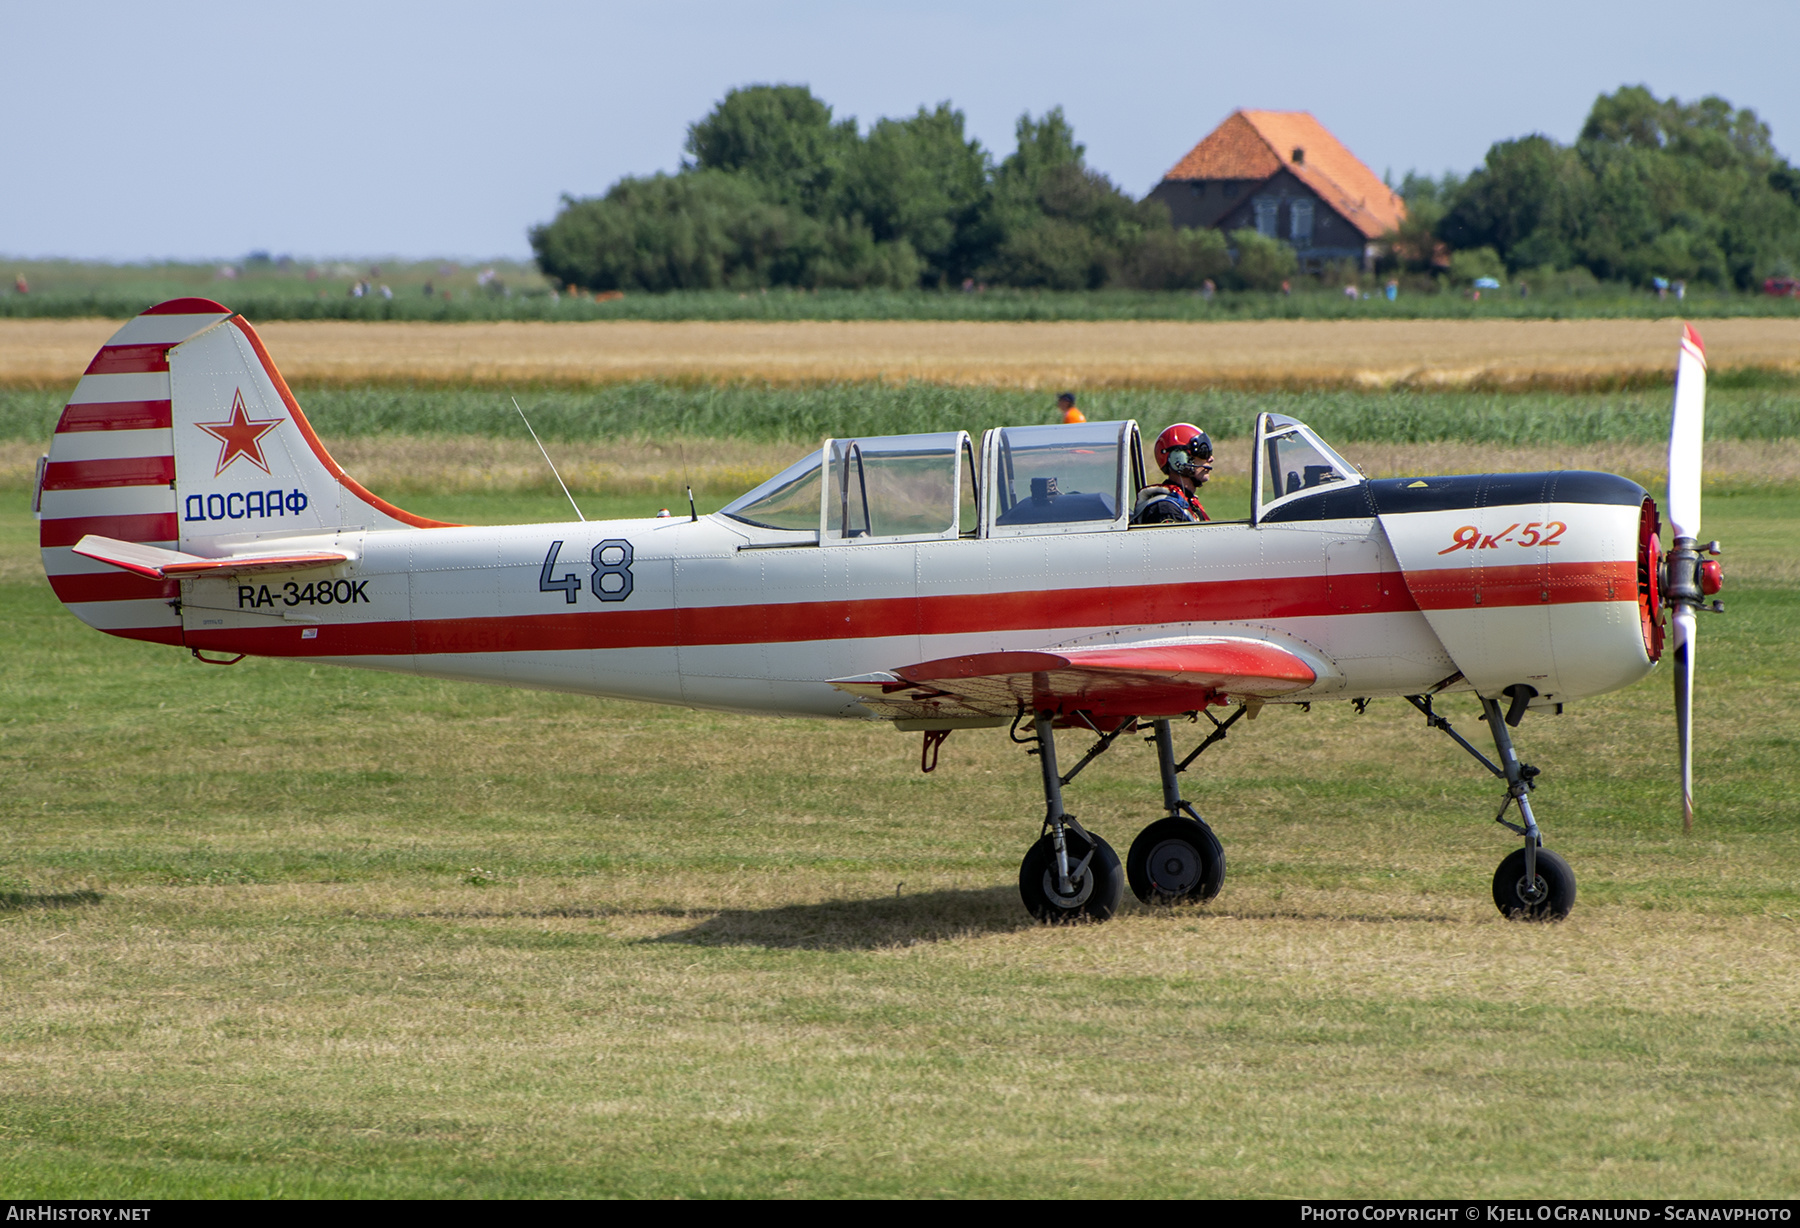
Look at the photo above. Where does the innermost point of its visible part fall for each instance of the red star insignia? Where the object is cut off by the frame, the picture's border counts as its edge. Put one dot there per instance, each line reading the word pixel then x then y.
pixel 239 436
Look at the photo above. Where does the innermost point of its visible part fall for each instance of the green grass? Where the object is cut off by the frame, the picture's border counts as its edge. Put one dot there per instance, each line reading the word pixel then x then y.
pixel 1763 410
pixel 266 292
pixel 285 930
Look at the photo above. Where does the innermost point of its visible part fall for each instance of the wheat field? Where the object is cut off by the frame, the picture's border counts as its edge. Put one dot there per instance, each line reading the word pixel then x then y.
pixel 1086 354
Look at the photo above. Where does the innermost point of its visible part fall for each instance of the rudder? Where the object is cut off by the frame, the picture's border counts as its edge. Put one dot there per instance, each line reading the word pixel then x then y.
pixel 183 435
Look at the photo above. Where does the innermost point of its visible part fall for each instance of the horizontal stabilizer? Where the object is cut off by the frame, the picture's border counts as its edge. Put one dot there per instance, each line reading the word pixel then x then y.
pixel 1159 679
pixel 159 564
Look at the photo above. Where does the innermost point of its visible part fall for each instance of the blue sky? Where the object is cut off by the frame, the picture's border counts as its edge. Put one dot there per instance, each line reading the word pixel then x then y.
pixel 133 131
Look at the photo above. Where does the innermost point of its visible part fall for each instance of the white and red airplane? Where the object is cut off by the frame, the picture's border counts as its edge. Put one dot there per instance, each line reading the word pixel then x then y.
pixel 925 580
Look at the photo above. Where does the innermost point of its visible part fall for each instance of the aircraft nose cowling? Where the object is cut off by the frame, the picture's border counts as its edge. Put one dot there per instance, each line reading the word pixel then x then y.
pixel 1529 579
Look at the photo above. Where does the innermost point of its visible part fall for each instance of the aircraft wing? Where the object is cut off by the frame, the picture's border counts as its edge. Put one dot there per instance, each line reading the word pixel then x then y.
pixel 159 564
pixel 1161 679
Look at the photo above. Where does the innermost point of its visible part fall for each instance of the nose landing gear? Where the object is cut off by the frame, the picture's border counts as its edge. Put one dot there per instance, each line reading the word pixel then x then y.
pixel 1532 884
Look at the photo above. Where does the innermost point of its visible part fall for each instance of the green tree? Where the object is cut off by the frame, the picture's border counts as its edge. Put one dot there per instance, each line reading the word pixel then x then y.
pixel 1168 259
pixel 1263 263
pixel 1652 188
pixel 923 182
pixel 1055 222
pixel 779 136
pixel 705 230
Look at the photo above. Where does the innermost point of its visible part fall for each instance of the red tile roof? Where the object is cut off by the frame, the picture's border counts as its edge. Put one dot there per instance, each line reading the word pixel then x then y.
pixel 1257 144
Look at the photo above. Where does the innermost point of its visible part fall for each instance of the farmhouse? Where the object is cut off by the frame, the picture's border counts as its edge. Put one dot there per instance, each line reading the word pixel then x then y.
pixel 1282 173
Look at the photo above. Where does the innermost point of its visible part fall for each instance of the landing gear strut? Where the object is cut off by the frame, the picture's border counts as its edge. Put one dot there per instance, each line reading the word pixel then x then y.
pixel 1070 874
pixel 1177 859
pixel 1533 884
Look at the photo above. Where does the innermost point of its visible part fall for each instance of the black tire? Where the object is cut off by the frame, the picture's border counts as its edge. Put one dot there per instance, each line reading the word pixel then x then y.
pixel 1176 861
pixel 1097 892
pixel 1553 897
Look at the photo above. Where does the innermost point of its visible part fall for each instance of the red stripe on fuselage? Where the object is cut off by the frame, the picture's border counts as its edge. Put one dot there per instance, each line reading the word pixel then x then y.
pixel 1530 584
pixel 149 527
pixel 804 621
pixel 153 635
pixel 795 622
pixel 129 359
pixel 99 474
pixel 114 416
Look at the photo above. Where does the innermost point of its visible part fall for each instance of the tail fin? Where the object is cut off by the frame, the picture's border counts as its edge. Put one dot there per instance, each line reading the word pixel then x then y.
pixel 183 435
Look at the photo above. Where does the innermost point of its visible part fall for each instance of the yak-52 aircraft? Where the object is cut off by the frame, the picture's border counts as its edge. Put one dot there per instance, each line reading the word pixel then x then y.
pixel 928 580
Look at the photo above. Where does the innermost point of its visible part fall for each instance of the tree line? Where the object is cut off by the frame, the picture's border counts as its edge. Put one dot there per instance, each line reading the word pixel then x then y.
pixel 1651 188
pixel 774 191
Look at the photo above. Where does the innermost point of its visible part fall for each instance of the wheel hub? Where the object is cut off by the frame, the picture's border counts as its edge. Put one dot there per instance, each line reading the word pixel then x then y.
pixel 1534 894
pixel 1083 888
pixel 1174 867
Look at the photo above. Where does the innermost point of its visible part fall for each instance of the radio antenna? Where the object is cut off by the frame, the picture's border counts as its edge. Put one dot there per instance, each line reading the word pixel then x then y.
pixel 549 462
pixel 693 514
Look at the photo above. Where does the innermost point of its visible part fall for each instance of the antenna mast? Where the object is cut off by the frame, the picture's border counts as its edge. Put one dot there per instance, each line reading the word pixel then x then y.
pixel 551 463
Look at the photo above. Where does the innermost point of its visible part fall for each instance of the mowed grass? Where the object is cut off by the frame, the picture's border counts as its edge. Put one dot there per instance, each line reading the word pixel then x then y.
pixel 282 929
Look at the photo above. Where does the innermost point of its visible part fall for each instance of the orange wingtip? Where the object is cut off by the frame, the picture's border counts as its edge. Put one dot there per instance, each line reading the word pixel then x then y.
pixel 1688 334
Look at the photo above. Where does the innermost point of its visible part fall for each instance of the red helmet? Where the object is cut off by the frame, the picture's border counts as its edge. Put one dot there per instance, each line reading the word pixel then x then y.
pixel 1180 449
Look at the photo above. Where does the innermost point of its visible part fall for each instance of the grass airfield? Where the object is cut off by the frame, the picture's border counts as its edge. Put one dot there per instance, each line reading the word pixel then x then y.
pixel 286 930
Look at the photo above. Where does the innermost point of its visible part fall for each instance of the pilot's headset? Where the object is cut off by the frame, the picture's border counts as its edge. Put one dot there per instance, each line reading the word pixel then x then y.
pixel 1182 449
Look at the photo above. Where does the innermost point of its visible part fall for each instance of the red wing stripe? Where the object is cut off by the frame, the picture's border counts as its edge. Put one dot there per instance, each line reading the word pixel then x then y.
pixel 95 474
pixel 112 586
pixel 149 527
pixel 114 416
pixel 129 359
pixel 1235 660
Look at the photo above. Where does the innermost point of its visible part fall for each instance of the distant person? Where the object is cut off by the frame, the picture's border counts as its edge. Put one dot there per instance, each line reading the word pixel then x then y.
pixel 1393 290
pixel 1207 289
pixel 1071 412
pixel 1184 454
pixel 1286 289
pixel 1680 290
pixel 429 292
pixel 21 285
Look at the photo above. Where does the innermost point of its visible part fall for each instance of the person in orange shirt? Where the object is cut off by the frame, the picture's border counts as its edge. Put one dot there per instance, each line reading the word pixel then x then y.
pixel 1071 412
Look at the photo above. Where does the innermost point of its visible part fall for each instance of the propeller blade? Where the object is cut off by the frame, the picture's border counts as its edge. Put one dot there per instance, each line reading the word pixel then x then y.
pixel 1684 708
pixel 1686 434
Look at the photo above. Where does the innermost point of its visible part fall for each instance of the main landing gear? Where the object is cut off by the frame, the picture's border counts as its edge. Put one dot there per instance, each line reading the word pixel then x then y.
pixel 1533 883
pixel 1070 874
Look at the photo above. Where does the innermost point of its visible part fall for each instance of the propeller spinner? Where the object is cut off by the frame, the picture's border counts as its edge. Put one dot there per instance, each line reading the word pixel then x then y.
pixel 1689 578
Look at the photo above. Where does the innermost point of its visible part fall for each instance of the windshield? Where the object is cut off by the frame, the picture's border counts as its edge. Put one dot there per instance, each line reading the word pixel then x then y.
pixel 789 500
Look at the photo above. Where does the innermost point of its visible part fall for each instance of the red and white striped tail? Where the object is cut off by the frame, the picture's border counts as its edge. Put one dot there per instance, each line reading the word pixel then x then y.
pixel 182 435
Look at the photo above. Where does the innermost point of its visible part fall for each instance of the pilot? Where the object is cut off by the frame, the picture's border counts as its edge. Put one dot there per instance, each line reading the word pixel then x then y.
pixel 1184 454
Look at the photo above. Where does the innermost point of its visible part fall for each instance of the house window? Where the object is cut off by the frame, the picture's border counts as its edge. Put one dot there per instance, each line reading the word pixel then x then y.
pixel 1267 209
pixel 1300 223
